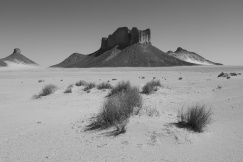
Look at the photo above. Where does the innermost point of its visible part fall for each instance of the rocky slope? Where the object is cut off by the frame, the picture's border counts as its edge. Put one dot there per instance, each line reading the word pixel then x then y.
pixel 2 63
pixel 191 57
pixel 124 48
pixel 17 58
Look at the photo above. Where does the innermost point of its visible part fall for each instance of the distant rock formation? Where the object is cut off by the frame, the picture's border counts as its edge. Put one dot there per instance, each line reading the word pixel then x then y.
pixel 124 48
pixel 191 57
pixel 125 37
pixel 17 58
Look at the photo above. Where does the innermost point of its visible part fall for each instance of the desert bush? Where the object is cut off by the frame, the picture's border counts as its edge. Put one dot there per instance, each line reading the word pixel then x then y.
pixel 120 87
pixel 69 89
pixel 195 118
pixel 104 85
pixel 40 80
pixel 81 83
pixel 151 86
pixel 117 109
pixel 47 90
pixel 89 86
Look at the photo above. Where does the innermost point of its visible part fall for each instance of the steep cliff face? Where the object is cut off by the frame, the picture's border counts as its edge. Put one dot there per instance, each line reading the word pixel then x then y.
pixel 144 36
pixel 125 37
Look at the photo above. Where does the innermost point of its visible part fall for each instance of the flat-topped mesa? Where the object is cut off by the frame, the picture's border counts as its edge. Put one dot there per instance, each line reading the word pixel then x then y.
pixel 125 37
pixel 17 51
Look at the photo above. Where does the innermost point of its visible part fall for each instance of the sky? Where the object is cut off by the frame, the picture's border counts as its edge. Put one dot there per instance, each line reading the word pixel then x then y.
pixel 48 31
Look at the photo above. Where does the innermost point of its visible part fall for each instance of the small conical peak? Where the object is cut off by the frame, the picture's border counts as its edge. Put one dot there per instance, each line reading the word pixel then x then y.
pixel 179 49
pixel 17 51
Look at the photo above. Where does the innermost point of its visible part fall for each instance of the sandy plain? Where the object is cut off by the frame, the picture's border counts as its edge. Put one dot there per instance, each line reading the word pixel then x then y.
pixel 52 128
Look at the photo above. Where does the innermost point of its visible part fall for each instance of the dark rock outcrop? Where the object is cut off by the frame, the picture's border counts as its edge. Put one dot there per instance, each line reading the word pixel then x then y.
pixel 125 37
pixel 227 75
pixel 17 51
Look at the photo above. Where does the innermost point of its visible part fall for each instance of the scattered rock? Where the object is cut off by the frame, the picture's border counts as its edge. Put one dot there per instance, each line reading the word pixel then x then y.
pixel 219 87
pixel 143 78
pixel 114 79
pixel 180 78
pixel 227 75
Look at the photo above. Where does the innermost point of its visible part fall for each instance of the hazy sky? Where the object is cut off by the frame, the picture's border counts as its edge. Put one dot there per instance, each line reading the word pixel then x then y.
pixel 48 31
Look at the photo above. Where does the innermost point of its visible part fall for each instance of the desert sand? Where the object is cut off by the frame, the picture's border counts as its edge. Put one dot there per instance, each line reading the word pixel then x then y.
pixel 52 128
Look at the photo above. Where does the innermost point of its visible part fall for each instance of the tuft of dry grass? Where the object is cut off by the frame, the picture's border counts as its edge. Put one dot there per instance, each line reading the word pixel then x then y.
pixel 120 87
pixel 81 83
pixel 104 85
pixel 117 110
pixel 40 80
pixel 47 90
pixel 196 118
pixel 89 86
pixel 69 89
pixel 151 86
pixel 149 111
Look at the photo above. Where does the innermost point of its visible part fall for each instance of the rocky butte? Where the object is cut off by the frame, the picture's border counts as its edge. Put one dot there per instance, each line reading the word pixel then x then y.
pixel 125 37
pixel 125 48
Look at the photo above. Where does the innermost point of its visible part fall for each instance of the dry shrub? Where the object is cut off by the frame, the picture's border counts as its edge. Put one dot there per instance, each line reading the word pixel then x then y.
pixel 104 85
pixel 47 90
pixel 116 110
pixel 151 86
pixel 81 83
pixel 69 89
pixel 89 86
pixel 40 80
pixel 195 118
pixel 120 87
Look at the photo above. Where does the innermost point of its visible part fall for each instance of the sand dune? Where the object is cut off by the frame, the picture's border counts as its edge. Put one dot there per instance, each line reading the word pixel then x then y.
pixel 52 128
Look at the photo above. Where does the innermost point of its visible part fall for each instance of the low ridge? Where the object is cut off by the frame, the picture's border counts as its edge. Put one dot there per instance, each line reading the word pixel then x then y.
pixel 191 57
pixel 124 48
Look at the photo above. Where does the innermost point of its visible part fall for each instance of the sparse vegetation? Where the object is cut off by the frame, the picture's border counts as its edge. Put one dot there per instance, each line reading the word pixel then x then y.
pixel 47 90
pixel 149 111
pixel 40 80
pixel 195 118
pixel 104 85
pixel 81 83
pixel 117 109
pixel 69 89
pixel 120 87
pixel 89 86
pixel 151 86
